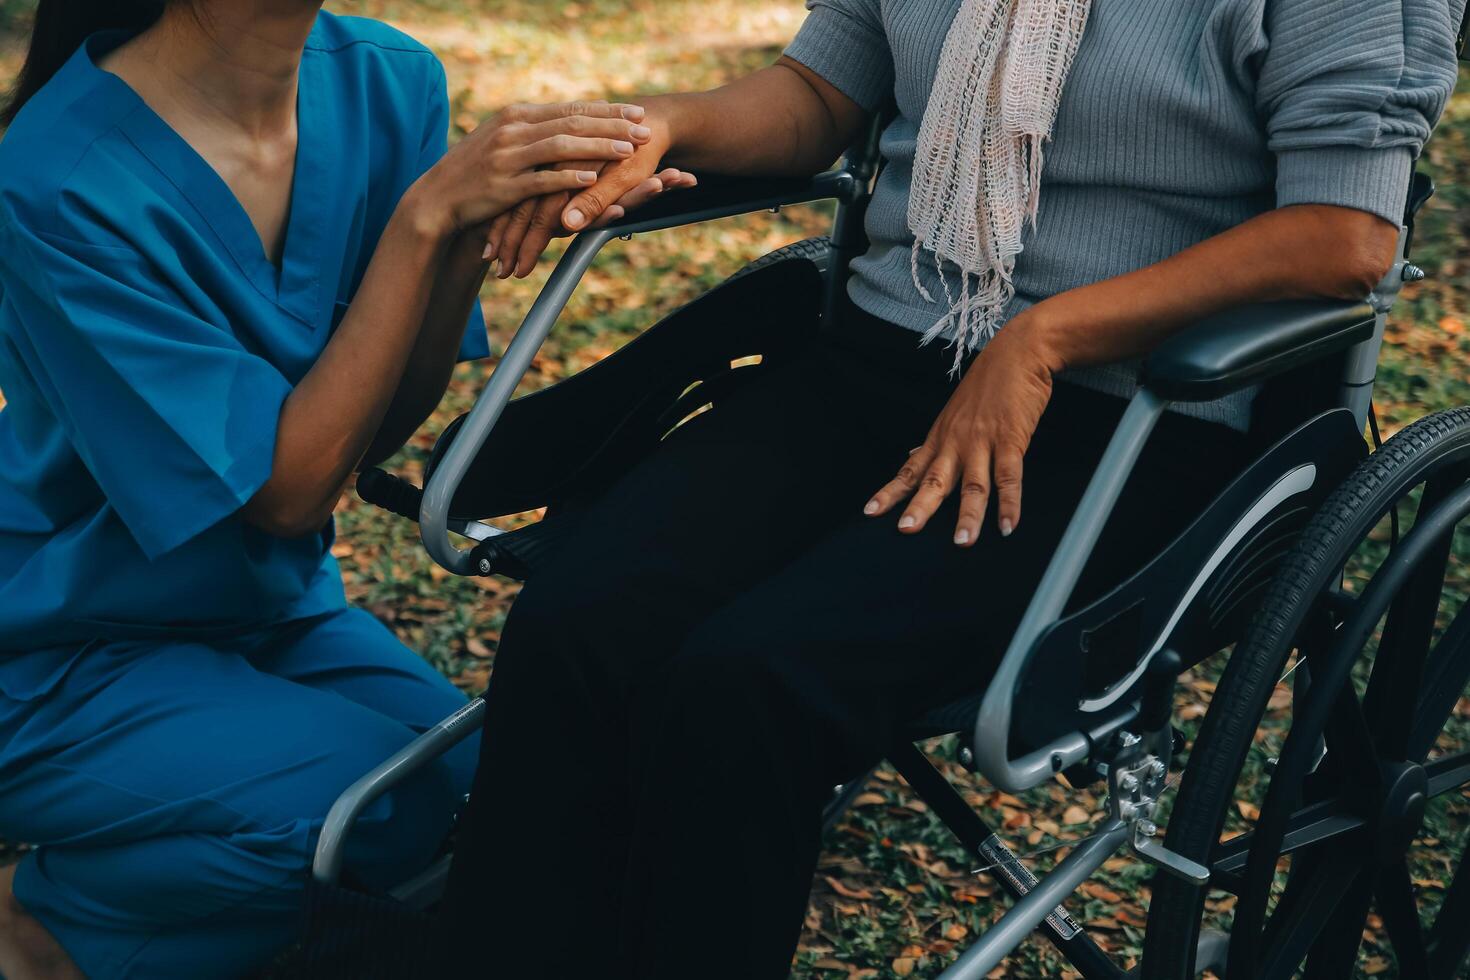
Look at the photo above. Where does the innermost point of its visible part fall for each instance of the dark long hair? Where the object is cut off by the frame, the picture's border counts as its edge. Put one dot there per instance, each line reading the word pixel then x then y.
pixel 60 28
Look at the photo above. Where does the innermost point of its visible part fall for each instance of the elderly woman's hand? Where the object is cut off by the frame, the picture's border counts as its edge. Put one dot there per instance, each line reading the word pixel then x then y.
pixel 978 440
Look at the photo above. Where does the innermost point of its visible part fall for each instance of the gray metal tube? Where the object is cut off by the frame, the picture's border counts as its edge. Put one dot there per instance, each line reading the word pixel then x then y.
pixel 1001 939
pixel 331 845
pixel 434 511
pixel 993 724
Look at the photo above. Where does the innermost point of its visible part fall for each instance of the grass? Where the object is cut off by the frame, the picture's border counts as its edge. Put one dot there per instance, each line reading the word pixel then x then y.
pixel 893 896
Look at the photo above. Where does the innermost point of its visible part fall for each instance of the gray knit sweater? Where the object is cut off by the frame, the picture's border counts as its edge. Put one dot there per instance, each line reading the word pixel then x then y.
pixel 1180 119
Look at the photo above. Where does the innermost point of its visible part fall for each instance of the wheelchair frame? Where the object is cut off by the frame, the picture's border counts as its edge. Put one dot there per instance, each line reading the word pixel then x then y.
pixel 1125 735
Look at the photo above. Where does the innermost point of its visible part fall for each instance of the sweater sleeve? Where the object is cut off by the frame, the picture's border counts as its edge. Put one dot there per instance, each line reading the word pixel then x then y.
pixel 1350 90
pixel 844 42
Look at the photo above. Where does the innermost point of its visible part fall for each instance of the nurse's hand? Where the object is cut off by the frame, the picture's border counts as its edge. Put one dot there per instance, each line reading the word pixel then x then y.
pixel 519 236
pixel 507 159
pixel 978 440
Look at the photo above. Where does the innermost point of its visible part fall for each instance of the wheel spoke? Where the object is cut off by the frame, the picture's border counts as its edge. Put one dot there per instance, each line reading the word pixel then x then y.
pixel 1352 759
pixel 1334 949
pixel 1450 773
pixel 1312 825
pixel 1449 938
pixel 1445 676
pixel 1392 698
pixel 1393 894
pixel 1313 897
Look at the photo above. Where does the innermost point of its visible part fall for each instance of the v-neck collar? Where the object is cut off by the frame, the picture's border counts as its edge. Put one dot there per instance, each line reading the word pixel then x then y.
pixel 294 286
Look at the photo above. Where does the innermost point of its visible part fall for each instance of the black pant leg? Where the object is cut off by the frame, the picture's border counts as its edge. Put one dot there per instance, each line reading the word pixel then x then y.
pixel 806 678
pixel 736 493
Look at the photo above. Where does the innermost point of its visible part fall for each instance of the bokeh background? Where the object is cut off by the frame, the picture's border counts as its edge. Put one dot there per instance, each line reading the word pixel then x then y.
pixel 894 896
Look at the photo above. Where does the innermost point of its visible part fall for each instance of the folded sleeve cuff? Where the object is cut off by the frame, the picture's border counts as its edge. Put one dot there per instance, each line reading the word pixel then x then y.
pixel 850 55
pixel 1372 180
pixel 476 342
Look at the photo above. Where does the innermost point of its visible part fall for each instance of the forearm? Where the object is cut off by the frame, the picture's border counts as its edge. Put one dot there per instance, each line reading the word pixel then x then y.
pixel 780 121
pixel 1300 252
pixel 456 289
pixel 331 416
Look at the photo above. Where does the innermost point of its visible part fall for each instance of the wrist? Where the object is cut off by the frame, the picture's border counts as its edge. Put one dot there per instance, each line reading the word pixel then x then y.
pixel 422 213
pixel 668 120
pixel 1043 334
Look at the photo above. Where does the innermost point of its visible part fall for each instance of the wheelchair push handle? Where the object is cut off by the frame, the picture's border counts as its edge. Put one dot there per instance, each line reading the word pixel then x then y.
pixel 392 493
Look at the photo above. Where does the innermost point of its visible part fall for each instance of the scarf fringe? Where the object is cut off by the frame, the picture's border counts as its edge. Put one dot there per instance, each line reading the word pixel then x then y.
pixel 979 159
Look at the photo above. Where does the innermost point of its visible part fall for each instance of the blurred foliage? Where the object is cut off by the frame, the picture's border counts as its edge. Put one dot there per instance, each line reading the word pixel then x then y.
pixel 15 15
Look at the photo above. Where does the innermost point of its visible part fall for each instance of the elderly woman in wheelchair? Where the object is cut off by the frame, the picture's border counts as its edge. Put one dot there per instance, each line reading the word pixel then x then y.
pixel 943 502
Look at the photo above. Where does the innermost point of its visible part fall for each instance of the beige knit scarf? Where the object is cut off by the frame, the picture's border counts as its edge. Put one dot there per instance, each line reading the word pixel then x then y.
pixel 977 171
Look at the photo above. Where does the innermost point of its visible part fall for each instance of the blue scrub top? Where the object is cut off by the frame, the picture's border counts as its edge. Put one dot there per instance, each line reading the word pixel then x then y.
pixel 147 344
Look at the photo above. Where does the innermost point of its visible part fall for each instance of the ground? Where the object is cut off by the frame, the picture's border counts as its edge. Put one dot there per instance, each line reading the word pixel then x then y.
pixel 894 896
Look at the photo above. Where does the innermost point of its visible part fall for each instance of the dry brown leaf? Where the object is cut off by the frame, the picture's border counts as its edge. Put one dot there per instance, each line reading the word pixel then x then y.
pixel 1074 815
pixel 857 894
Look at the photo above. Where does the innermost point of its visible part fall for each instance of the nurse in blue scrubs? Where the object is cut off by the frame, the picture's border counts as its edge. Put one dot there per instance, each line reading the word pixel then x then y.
pixel 236 264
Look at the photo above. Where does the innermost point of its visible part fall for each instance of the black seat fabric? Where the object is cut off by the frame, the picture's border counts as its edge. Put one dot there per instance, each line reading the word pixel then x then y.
pixel 567 441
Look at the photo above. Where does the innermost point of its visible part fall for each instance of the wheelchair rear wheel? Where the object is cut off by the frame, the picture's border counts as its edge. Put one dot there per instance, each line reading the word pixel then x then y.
pixel 1360 818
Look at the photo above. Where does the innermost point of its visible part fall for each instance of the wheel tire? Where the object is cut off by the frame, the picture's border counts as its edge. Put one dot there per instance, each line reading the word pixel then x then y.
pixel 816 250
pixel 1254 669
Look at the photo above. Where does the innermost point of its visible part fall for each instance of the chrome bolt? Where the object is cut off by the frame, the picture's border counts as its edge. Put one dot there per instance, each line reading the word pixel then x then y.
pixel 1412 273
pixel 1129 782
pixel 485 566
pixel 1147 828
pixel 1157 768
pixel 967 758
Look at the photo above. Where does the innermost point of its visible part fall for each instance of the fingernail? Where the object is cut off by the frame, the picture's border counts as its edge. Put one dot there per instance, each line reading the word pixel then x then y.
pixel 907 522
pixel 962 536
pixel 489 251
pixel 870 508
pixel 575 218
pixel 1006 527
pixel 615 212
pixel 622 146
pixel 641 132
pixel 633 113
pixel 587 176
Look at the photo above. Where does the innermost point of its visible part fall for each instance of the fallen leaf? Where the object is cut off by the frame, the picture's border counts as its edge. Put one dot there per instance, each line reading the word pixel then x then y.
pixel 858 894
pixel 1075 815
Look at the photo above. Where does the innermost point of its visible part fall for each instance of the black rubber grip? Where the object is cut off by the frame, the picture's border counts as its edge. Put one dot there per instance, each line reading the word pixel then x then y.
pixel 382 489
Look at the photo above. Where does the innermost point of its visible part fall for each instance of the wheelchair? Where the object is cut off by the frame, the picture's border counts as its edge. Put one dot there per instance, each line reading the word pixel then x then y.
pixel 1271 570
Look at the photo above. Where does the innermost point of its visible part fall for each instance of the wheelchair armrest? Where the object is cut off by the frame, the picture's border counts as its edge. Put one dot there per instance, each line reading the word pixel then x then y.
pixel 1242 346
pixel 721 197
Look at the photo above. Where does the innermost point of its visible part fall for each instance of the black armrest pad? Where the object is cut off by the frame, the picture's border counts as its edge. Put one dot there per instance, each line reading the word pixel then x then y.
pixel 717 196
pixel 1240 347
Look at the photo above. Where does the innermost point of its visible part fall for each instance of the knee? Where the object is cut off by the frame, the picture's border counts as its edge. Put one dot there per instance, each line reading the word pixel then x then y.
pixel 727 665
pixel 394 837
pixel 398 834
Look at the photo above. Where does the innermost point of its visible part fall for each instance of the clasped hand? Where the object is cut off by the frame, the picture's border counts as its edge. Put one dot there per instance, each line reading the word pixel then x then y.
pixel 518 237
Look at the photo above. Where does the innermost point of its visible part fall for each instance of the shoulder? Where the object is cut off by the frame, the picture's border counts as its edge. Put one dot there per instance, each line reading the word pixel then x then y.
pixel 66 145
pixel 361 39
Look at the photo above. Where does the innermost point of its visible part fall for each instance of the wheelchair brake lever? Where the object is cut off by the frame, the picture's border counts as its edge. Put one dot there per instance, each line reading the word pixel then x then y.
pixel 474 530
pixel 1145 844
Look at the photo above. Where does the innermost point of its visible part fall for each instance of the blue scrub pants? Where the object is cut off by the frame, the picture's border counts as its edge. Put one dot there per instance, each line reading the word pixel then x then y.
pixel 175 789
